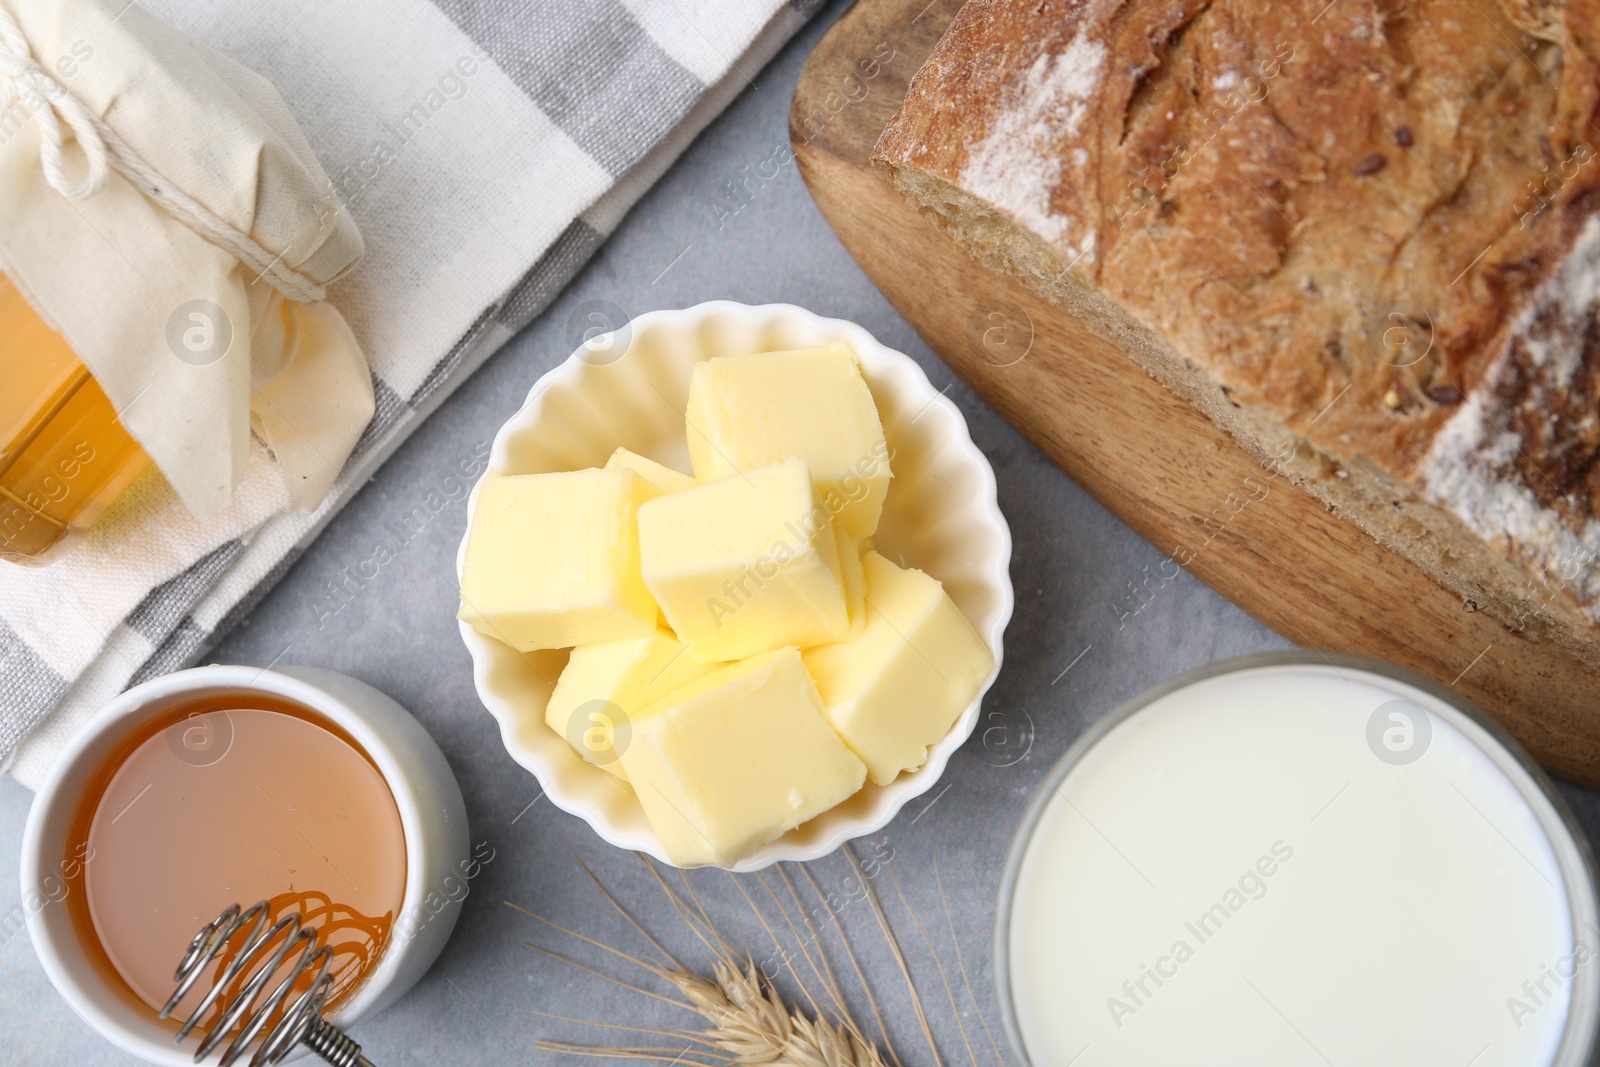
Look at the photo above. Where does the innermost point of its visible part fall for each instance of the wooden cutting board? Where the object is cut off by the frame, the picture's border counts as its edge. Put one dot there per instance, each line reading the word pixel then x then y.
pixel 1156 462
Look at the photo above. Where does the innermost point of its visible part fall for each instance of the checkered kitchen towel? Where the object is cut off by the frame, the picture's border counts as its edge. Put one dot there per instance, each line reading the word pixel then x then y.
pixel 485 148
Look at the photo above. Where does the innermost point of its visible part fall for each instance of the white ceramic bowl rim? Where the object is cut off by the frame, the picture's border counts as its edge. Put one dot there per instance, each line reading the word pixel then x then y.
pixel 985 503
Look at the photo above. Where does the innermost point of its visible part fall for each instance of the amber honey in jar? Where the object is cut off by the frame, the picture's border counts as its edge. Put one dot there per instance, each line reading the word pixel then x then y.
pixel 232 798
pixel 64 456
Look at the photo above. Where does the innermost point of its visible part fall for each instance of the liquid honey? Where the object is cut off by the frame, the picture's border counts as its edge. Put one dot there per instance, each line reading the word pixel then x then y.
pixel 64 457
pixel 231 799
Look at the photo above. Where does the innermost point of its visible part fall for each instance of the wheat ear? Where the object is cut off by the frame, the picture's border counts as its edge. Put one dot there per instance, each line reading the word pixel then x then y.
pixel 750 1022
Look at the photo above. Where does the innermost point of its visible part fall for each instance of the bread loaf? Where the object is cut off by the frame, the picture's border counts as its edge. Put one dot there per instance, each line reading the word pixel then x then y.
pixel 1364 237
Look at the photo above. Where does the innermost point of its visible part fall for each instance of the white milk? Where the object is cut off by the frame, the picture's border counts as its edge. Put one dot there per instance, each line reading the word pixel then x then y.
pixel 1233 876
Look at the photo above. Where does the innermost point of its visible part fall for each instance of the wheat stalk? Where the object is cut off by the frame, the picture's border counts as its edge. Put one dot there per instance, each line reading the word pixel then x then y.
pixel 750 1023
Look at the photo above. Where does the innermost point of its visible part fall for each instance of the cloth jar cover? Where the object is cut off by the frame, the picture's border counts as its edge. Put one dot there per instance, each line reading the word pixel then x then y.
pixel 119 238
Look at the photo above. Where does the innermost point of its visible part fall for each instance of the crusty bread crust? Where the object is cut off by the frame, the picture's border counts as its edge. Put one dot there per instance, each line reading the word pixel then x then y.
pixel 1369 231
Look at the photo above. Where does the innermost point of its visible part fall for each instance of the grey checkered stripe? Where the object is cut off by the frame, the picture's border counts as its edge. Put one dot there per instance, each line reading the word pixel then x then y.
pixel 28 688
pixel 585 64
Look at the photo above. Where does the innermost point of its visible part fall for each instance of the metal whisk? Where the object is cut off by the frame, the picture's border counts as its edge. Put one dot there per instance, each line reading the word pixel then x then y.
pixel 301 1023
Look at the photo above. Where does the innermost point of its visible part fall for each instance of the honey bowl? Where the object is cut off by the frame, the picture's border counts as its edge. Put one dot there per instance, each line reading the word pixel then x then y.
pixel 227 785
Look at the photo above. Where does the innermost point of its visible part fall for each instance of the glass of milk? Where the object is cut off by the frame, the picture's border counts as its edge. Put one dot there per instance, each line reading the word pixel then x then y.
pixel 1298 859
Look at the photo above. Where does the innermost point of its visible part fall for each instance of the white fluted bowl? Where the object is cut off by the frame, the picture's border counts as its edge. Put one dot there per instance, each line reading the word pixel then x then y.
pixel 630 388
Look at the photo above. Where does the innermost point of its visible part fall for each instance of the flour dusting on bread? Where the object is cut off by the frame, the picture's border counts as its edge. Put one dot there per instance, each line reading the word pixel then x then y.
pixel 1472 466
pixel 1017 164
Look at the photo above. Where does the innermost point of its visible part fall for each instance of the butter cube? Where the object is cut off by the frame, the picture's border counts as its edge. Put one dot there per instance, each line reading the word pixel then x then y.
pixel 899 687
pixel 604 687
pixel 659 475
pixel 737 758
pixel 746 564
pixel 553 559
pixel 749 411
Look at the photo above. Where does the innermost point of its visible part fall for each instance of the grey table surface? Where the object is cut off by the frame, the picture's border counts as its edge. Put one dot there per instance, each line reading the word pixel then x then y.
pixel 1071 655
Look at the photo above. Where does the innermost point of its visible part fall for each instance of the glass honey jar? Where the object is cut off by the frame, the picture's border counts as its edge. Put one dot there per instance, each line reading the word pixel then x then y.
pixel 64 455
